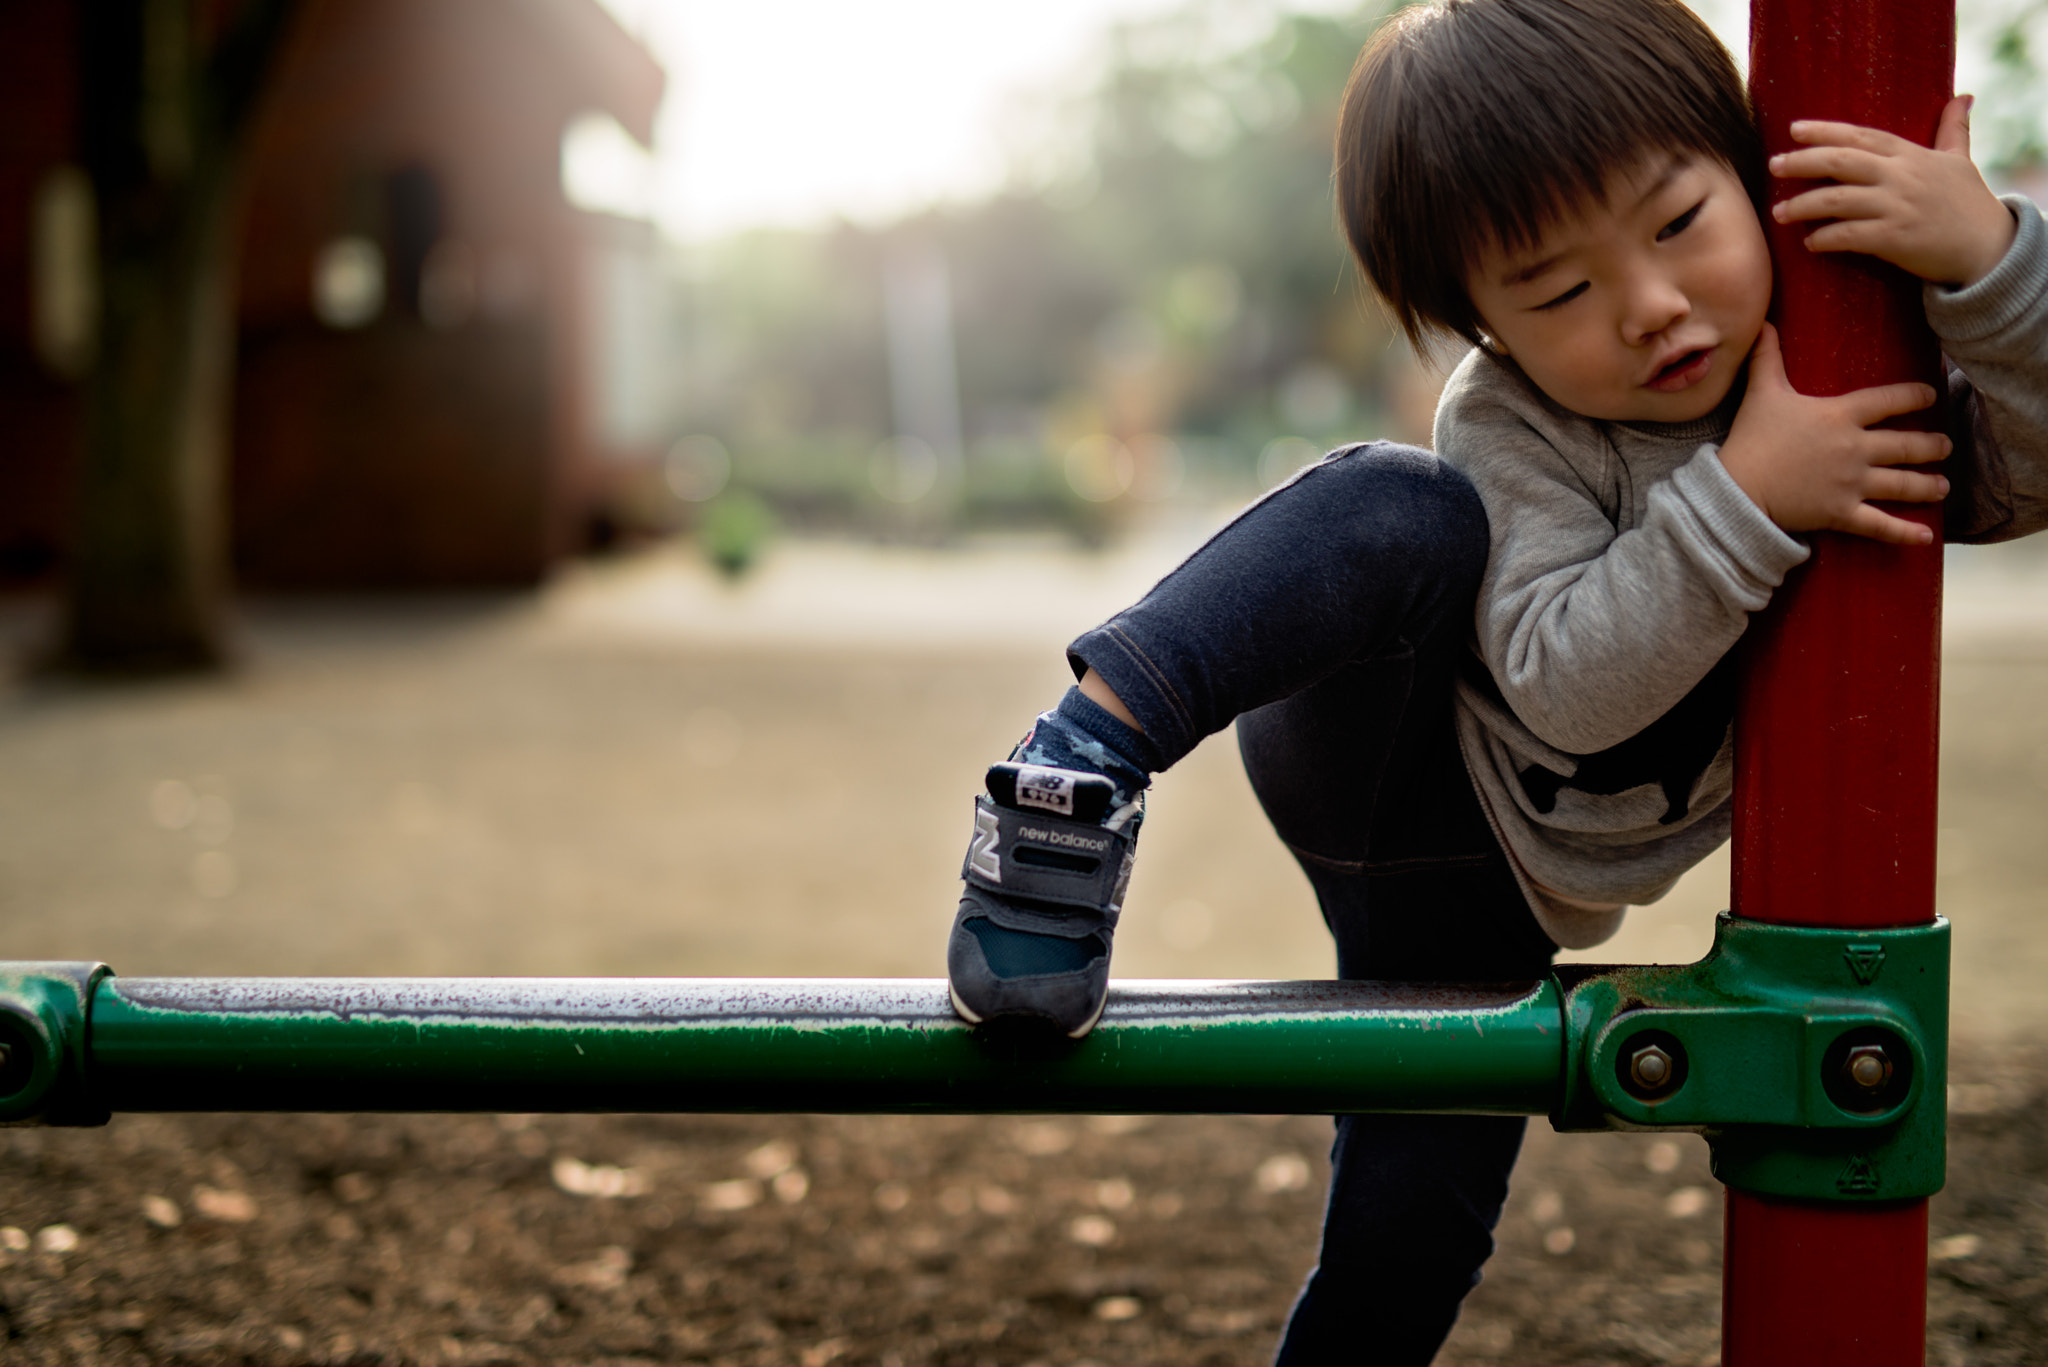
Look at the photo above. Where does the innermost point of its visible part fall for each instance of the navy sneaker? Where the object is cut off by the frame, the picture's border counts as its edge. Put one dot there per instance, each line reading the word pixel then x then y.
pixel 1046 873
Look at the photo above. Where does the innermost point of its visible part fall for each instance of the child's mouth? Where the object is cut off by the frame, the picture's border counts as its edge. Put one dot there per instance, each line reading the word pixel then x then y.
pixel 1683 373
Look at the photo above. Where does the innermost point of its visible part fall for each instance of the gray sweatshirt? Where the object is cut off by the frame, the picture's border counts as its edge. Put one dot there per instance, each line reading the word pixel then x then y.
pixel 1596 713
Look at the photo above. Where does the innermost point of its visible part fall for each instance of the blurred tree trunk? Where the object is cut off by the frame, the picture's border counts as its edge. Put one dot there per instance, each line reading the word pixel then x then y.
pixel 167 88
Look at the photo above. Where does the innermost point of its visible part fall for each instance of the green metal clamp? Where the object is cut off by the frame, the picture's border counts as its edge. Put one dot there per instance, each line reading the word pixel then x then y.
pixel 43 1060
pixel 1814 1060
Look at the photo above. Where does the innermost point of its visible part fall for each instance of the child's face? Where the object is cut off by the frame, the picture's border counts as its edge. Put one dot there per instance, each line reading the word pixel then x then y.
pixel 1642 309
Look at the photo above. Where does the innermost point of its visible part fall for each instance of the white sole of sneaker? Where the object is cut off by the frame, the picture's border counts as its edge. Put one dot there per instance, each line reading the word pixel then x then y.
pixel 1085 1026
pixel 961 1010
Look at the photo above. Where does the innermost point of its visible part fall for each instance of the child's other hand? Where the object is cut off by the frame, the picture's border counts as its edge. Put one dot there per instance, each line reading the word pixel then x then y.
pixel 1811 463
pixel 1926 210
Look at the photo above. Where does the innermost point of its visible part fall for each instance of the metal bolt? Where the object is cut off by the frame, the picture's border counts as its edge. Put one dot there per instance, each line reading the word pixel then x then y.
pixel 1650 1068
pixel 1868 1067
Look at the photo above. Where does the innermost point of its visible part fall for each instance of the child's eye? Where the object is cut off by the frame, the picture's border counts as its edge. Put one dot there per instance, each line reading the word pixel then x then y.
pixel 1682 222
pixel 1574 292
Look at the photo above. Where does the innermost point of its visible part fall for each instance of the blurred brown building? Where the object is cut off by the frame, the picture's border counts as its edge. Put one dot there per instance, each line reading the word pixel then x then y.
pixel 442 362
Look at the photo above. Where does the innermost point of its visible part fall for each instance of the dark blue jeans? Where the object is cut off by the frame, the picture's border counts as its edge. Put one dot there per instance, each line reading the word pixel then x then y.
pixel 1328 620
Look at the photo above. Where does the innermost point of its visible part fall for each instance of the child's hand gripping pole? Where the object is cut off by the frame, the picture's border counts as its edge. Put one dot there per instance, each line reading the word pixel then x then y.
pixel 1924 209
pixel 1811 463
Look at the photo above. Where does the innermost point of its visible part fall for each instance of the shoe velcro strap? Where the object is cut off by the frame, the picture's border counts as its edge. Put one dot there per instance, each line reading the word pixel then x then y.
pixel 1048 858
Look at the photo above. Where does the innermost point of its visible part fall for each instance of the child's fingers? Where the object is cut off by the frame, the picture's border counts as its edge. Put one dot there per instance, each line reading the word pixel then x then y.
pixel 1840 237
pixel 1767 361
pixel 1879 402
pixel 1905 486
pixel 1853 164
pixel 1767 364
pixel 1830 201
pixel 1869 522
pixel 1869 236
pixel 1890 446
pixel 1953 133
pixel 1826 133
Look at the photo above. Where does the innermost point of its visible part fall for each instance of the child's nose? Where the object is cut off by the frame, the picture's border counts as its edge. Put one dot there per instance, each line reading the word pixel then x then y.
pixel 1655 302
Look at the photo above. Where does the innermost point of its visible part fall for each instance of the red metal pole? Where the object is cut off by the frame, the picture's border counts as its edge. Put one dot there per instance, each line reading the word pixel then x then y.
pixel 1836 723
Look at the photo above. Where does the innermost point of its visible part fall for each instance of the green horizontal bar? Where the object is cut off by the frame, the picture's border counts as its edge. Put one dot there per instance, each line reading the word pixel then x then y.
pixel 845 1045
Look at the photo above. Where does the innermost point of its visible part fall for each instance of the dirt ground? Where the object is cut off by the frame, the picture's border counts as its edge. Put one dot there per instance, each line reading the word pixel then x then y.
pixel 640 773
pixel 890 1241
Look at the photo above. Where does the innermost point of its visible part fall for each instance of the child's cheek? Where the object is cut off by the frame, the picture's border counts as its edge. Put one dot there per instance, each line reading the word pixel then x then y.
pixel 1749 279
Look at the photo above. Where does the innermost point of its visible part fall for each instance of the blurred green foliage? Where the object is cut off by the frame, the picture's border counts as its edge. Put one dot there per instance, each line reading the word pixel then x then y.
pixel 2006 132
pixel 1168 263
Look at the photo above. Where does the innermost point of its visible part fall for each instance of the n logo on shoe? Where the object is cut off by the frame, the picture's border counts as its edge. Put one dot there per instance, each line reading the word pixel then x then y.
pixel 1050 789
pixel 981 854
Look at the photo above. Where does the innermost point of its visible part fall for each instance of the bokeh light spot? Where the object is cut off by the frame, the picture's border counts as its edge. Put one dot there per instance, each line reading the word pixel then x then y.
pixel 903 469
pixel 1100 468
pixel 348 282
pixel 173 805
pixel 697 468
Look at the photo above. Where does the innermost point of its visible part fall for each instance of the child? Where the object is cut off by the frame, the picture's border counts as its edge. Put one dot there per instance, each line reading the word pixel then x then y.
pixel 1483 695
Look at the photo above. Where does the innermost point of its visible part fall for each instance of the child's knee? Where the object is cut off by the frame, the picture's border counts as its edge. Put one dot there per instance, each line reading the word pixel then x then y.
pixel 1402 500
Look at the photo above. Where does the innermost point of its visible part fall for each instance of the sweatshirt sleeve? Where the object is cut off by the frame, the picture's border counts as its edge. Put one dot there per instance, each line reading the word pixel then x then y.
pixel 1996 334
pixel 1592 633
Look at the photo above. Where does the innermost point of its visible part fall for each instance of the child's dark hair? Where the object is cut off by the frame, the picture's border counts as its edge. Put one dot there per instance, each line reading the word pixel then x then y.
pixel 1474 123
